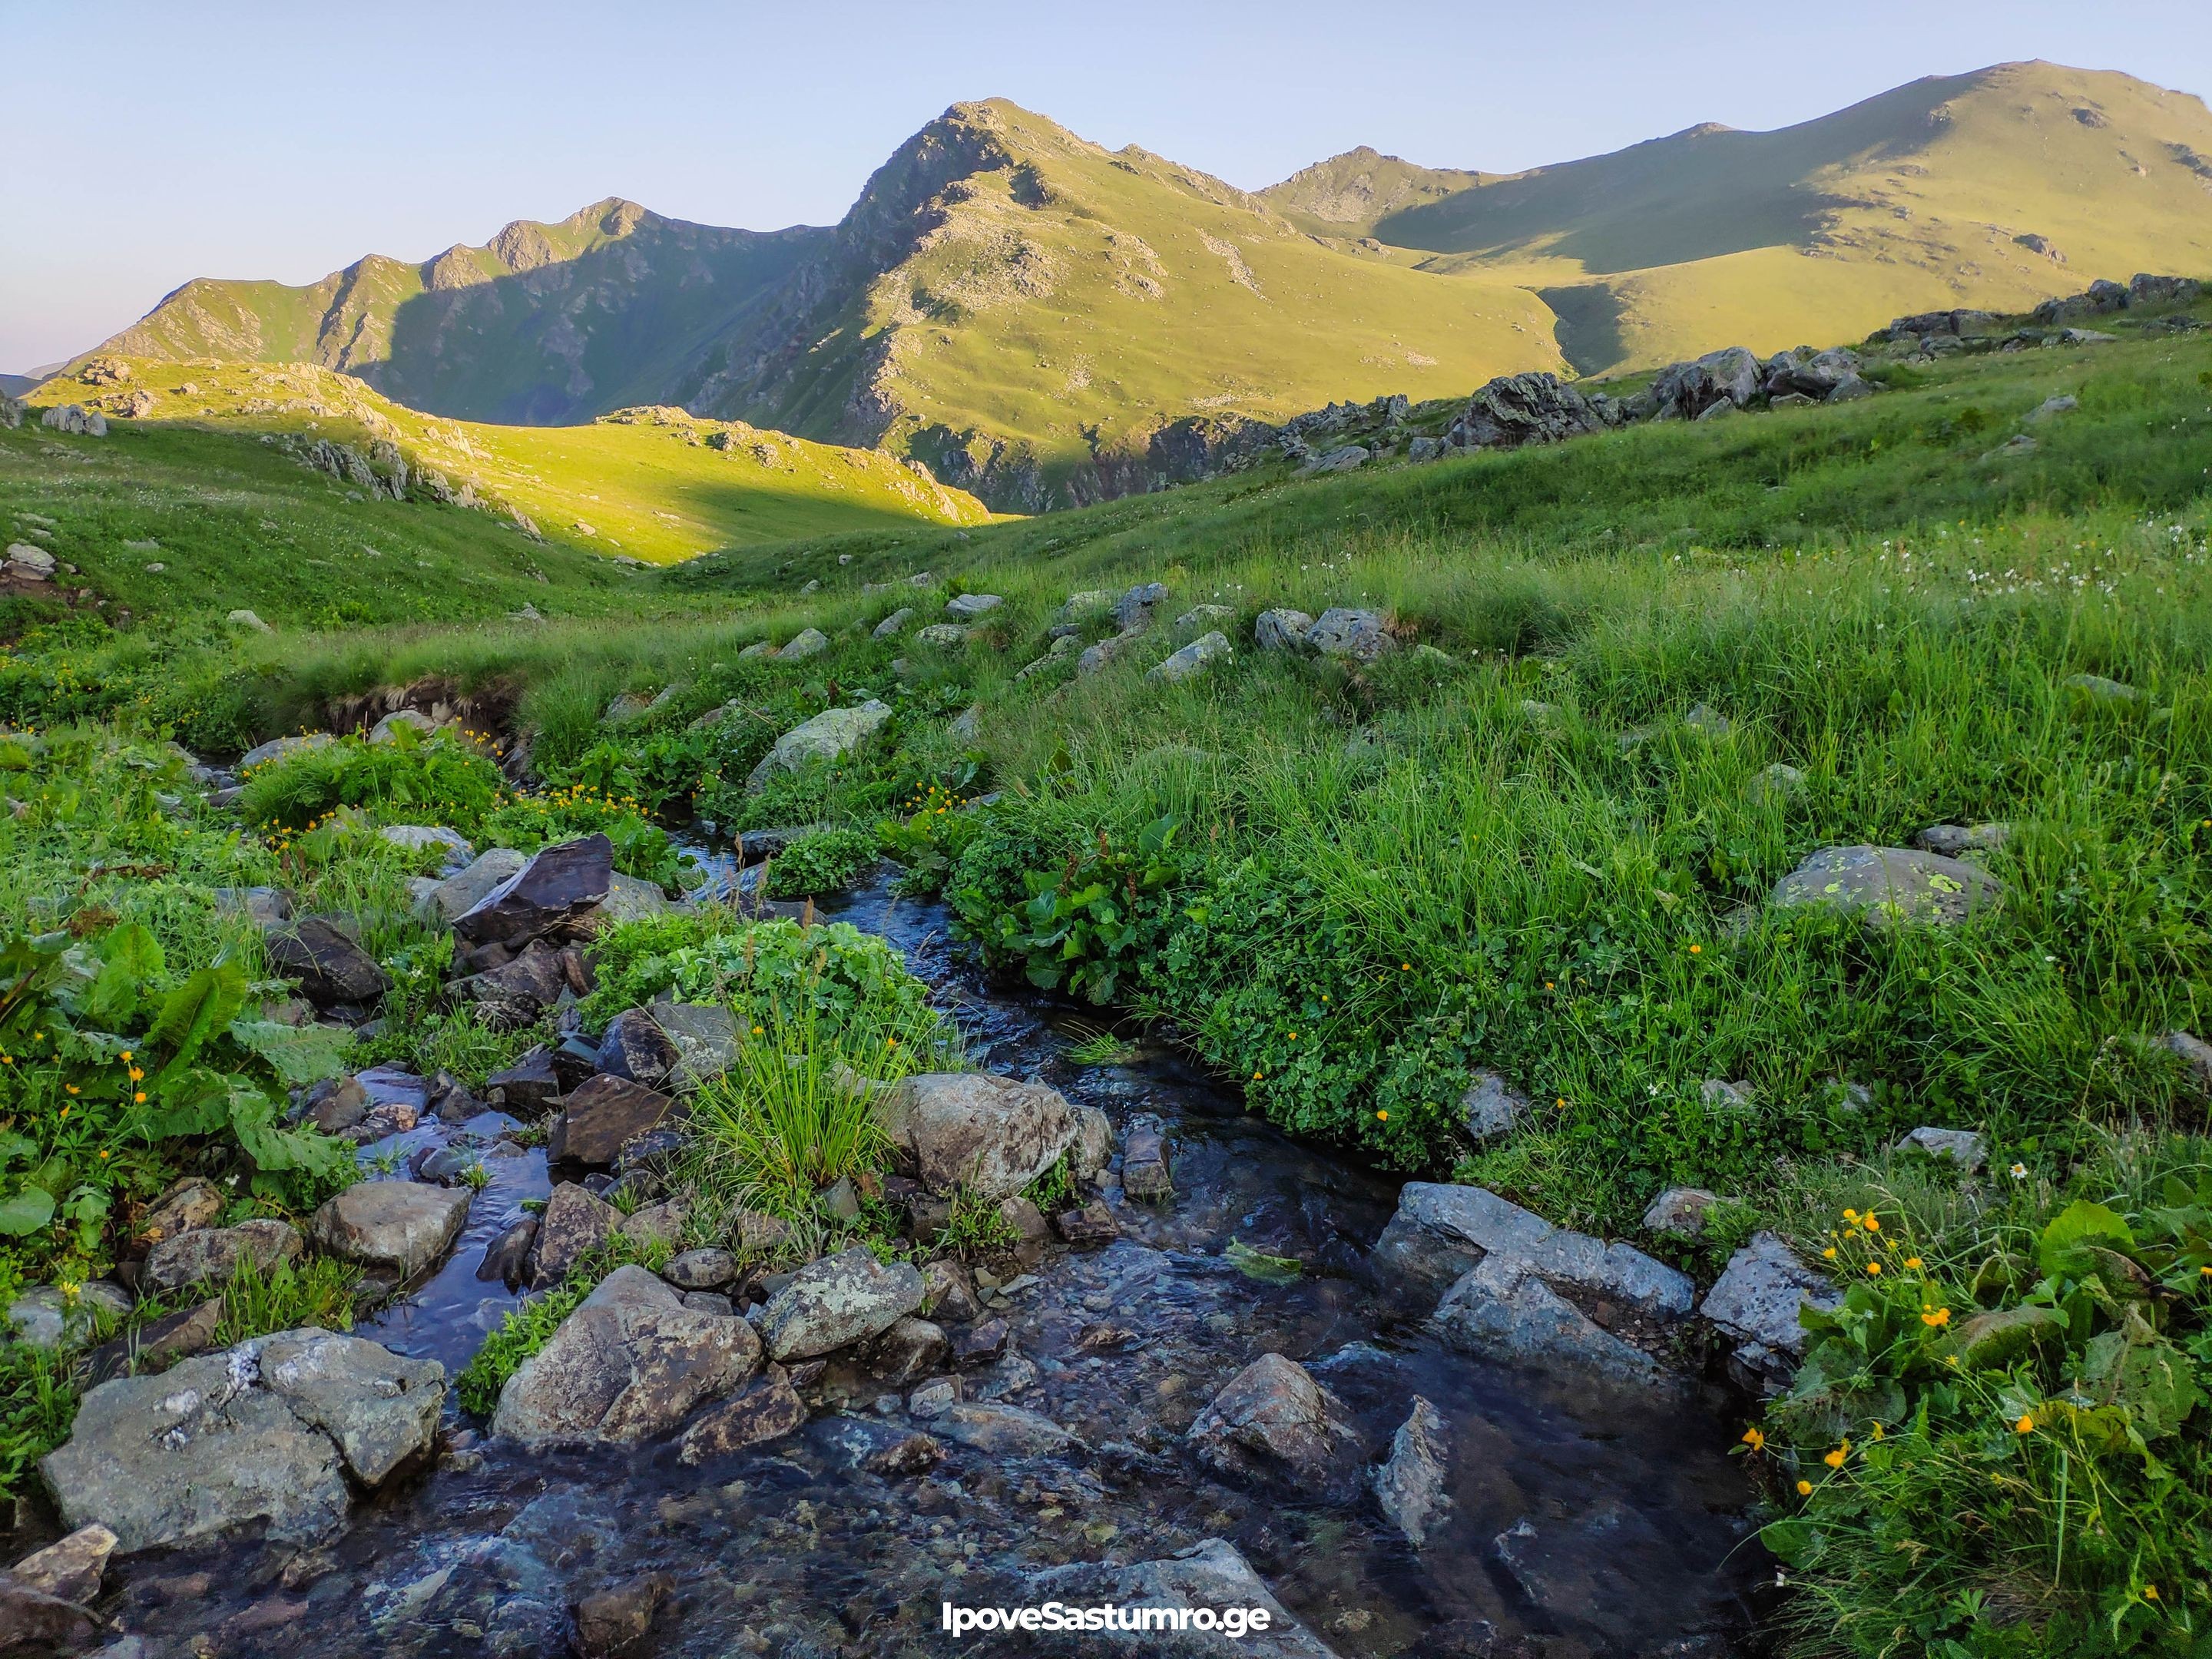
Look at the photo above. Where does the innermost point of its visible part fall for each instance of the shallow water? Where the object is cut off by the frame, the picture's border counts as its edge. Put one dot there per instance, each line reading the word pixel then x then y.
pixel 1613 1524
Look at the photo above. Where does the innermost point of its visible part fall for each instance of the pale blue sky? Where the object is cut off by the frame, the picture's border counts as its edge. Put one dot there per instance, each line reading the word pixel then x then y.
pixel 148 143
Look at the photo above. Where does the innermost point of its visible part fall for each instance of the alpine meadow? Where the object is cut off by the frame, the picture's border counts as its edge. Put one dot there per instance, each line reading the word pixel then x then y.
pixel 1473 908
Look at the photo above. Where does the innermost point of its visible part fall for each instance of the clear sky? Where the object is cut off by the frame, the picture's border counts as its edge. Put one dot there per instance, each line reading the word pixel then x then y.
pixel 150 142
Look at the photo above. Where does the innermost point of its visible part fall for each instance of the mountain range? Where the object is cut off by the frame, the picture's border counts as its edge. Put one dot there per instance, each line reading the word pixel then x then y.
pixel 1042 321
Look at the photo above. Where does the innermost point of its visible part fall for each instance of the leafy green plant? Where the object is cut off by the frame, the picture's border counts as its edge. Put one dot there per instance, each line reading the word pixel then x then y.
pixel 975 1228
pixel 440 779
pixel 929 839
pixel 1087 925
pixel 824 861
pixel 1997 1439
pixel 38 1398
pixel 642 847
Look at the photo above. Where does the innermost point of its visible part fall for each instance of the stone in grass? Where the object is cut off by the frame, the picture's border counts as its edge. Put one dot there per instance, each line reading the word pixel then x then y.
pixel 2195 1055
pixel 1490 1108
pixel 1758 1293
pixel 967 607
pixel 1193 660
pixel 1344 632
pixel 807 642
pixel 329 968
pixel 1888 885
pixel 211 1254
pixel 1680 1213
pixel 829 735
pixel 1964 1148
pixel 1282 631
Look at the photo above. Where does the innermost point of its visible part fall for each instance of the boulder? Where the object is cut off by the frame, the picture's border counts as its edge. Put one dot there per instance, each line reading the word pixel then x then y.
pixel 967 607
pixel 945 636
pixel 556 888
pixel 893 623
pixel 629 898
pixel 1503 1310
pixel 1962 1147
pixel 701 1270
pixel 910 1350
pixel 2195 1055
pixel 1094 1143
pixel 74 420
pixel 278 749
pixel 838 1301
pixel 330 968
pixel 527 1087
pixel 574 1225
pixel 1440 1232
pixel 210 1254
pixel 830 735
pixel 46 1317
pixel 703 1038
pixel 157 1344
pixel 1358 634
pixel 1095 657
pixel 1205 616
pixel 268 1431
pixel 387 729
pixel 188 1202
pixel 25 560
pixel 336 1105
pixel 767 1409
pixel 458 894
pixel 402 1226
pixel 1683 391
pixel 1490 1110
pixel 507 1258
pixel 629 1364
pixel 1514 409
pixel 989 1134
pixel 1757 1298
pixel 1146 1173
pixel 1410 1484
pixel 1133 610
pixel 603 1114
pixel 1210 1575
pixel 453 845
pixel 617 1619
pixel 514 993
pixel 807 642
pixel 1889 885
pixel 1273 1426
pixel 1193 660
pixel 636 1049
pixel 1282 631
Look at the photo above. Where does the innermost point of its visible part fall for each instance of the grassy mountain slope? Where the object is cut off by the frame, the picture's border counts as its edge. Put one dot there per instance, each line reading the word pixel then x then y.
pixel 1020 307
pixel 1950 190
pixel 212 477
pixel 547 322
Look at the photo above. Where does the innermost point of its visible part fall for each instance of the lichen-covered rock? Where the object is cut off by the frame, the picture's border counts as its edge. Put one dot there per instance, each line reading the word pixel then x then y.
pixel 1282 631
pixel 1344 632
pixel 575 1224
pixel 838 1301
pixel 208 1255
pixel 1889 885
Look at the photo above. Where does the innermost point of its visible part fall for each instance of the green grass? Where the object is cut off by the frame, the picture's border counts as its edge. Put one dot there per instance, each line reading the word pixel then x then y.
pixel 316 1291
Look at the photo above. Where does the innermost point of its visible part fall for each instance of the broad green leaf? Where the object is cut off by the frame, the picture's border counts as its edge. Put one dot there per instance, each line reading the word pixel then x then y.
pixel 191 1102
pixel 2081 1223
pixel 14 1148
pixel 197 1009
pixel 28 1211
pixel 299 1054
pixel 130 960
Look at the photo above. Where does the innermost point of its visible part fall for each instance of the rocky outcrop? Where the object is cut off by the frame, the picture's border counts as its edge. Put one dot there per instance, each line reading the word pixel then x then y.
pixel 1691 391
pixel 1514 409
pixel 631 1363
pixel 272 1432
pixel 991 1135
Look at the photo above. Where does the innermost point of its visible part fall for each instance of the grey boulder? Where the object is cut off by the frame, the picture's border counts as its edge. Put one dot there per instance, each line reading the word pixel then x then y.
pixel 1759 1295
pixel 1503 1310
pixel 1410 1484
pixel 1273 1426
pixel 1440 1232
pixel 557 887
pixel 1193 660
pixel 989 1134
pixel 631 1362
pixel 830 735
pixel 838 1301
pixel 268 1431
pixel 1341 632
pixel 1888 885
pixel 1211 1574
pixel 209 1255
pixel 404 1226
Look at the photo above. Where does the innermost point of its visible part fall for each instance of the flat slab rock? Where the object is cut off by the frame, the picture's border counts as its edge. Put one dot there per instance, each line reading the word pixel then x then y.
pixel 269 1431
pixel 1440 1232
pixel 557 887
pixel 631 1363
pixel 1211 1574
